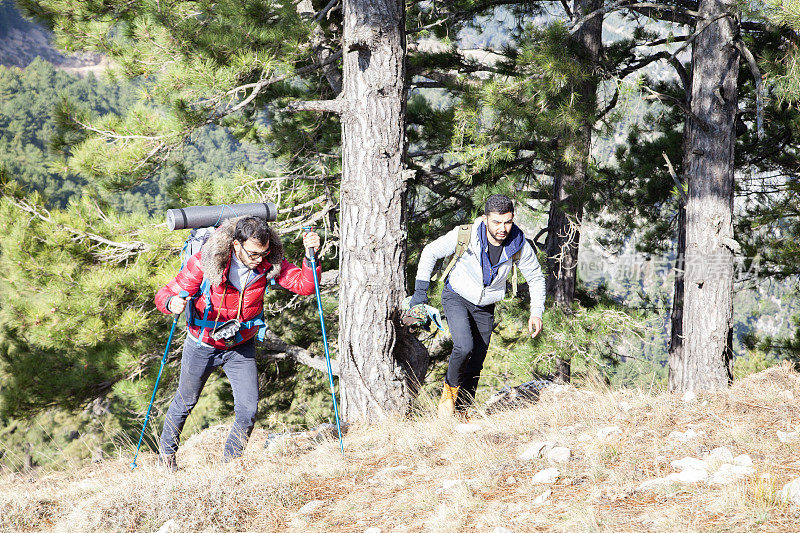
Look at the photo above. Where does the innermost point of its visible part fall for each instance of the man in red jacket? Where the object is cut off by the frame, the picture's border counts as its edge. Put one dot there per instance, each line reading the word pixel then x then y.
pixel 229 277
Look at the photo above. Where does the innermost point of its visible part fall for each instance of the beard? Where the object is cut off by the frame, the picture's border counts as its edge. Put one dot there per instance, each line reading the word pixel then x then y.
pixel 499 235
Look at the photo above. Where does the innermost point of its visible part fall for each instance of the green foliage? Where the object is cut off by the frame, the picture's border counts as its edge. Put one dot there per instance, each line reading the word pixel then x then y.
pixel 594 337
pixel 37 105
pixel 754 361
pixel 77 289
pixel 783 64
pixel 28 98
pixel 638 189
pixel 197 63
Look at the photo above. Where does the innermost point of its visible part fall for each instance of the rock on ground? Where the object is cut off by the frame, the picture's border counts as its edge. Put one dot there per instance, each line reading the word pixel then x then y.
pixel 170 526
pixel 608 431
pixel 791 492
pixel 559 454
pixel 311 506
pixel 788 436
pixel 536 450
pixel 546 476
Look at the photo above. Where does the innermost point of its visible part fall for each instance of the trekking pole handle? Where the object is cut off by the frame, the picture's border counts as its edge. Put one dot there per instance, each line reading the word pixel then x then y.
pixel 311 253
pixel 182 294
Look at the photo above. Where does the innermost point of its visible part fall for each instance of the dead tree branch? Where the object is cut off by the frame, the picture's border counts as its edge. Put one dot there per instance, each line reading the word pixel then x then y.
pixel 279 350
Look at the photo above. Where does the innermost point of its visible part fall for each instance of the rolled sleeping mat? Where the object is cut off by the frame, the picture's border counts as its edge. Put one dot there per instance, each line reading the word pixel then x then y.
pixel 213 215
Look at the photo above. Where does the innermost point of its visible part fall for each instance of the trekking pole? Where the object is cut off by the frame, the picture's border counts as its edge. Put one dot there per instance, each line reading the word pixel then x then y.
pixel 182 294
pixel 313 260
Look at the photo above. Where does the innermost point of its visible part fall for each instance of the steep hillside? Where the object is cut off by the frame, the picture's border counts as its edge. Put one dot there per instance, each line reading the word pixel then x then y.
pixel 22 41
pixel 577 460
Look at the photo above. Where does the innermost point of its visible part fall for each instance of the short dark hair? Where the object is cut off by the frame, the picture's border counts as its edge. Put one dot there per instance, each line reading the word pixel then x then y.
pixel 498 203
pixel 252 228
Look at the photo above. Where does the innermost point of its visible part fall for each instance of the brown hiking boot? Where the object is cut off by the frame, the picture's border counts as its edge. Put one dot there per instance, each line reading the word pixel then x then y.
pixel 168 463
pixel 447 403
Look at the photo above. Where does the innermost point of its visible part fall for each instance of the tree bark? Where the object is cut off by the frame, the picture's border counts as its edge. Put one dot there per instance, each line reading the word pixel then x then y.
pixel 566 208
pixel 675 357
pixel 380 363
pixel 708 298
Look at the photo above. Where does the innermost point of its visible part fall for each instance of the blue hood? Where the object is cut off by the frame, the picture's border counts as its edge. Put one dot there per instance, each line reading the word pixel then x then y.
pixel 512 244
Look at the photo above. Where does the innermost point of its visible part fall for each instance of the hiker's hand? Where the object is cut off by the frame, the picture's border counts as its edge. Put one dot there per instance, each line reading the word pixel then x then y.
pixel 311 240
pixel 420 295
pixel 535 325
pixel 177 305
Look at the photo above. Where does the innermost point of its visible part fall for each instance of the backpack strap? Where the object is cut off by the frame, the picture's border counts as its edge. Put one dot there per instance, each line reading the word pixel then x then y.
pixel 464 234
pixel 515 271
pixel 204 323
pixel 205 292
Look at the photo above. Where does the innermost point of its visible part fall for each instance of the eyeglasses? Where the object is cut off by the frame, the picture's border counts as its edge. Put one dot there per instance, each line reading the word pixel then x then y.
pixel 255 255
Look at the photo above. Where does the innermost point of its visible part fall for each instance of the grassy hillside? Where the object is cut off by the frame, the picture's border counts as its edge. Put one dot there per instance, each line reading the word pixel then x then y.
pixel 620 472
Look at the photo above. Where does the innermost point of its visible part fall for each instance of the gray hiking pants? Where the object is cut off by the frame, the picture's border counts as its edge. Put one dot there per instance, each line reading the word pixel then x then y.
pixel 197 364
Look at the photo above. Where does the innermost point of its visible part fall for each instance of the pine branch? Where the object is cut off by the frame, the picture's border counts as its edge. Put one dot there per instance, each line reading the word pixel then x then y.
pixel 322 106
pixel 319 43
pixel 611 104
pixel 650 9
pixel 428 178
pixel 462 15
pixel 479 8
pixel 666 40
pixel 675 178
pixel 756 72
pixel 655 95
pixel 281 350
pixel 686 81
pixel 311 203
pixel 116 136
pixel 567 9
pixel 333 5
pixel 701 27
pixel 426 27
pixel 303 220
pixel 259 86
pixel 450 81
pixel 120 251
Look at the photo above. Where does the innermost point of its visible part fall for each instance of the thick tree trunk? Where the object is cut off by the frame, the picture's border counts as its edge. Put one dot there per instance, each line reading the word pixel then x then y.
pixel 379 367
pixel 708 297
pixel 566 209
pixel 563 236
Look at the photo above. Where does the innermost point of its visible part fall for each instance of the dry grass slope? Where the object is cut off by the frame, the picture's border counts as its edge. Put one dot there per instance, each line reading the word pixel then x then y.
pixel 394 473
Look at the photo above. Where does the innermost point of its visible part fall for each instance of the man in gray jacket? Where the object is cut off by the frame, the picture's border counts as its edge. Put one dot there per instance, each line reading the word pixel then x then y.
pixel 475 283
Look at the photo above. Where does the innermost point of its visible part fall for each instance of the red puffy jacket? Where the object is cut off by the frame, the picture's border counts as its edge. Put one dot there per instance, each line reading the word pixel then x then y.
pixel 224 296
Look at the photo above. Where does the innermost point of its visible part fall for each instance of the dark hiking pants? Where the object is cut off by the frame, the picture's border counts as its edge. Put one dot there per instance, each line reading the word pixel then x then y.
pixel 197 364
pixel 471 328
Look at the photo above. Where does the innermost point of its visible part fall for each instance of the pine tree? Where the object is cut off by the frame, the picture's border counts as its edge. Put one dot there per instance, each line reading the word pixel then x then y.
pixel 241 64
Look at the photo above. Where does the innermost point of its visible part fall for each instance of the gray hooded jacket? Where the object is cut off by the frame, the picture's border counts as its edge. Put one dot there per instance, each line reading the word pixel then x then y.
pixel 466 277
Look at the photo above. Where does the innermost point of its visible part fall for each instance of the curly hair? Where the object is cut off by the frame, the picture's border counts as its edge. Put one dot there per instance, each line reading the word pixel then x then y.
pixel 498 203
pixel 252 228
